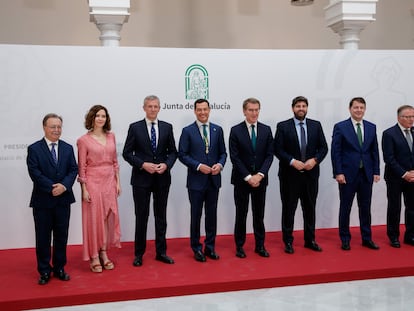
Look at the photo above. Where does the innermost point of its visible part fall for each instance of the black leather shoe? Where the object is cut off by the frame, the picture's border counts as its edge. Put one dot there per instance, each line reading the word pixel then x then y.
pixel 395 243
pixel 137 261
pixel 240 252
pixel 289 248
pixel 409 241
pixel 164 258
pixel 313 246
pixel 61 275
pixel 262 251
pixel 370 244
pixel 211 254
pixel 44 279
pixel 345 246
pixel 199 256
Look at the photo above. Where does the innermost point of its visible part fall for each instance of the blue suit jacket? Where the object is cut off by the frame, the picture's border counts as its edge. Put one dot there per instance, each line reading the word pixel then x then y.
pixel 347 154
pixel 245 160
pixel 137 150
pixel 44 173
pixel 287 147
pixel 398 157
pixel 191 152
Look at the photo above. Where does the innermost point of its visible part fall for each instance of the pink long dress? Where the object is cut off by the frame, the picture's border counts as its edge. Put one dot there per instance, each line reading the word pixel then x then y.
pixel 98 166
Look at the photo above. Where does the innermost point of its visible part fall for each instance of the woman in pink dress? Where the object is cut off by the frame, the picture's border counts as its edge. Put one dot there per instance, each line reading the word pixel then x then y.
pixel 100 184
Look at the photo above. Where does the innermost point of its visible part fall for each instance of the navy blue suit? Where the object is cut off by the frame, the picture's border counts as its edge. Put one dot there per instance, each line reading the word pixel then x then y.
pixel 51 213
pixel 347 156
pixel 203 189
pixel 294 184
pixel 398 160
pixel 138 150
pixel 248 161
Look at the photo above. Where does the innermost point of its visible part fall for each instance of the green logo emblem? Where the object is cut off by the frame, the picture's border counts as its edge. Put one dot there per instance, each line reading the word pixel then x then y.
pixel 196 82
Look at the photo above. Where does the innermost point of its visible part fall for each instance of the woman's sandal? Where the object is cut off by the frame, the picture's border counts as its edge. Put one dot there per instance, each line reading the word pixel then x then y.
pixel 96 268
pixel 108 264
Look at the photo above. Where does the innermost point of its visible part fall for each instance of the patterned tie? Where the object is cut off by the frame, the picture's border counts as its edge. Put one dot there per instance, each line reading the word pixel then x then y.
pixel 53 152
pixel 253 138
pixel 153 138
pixel 302 143
pixel 409 138
pixel 205 137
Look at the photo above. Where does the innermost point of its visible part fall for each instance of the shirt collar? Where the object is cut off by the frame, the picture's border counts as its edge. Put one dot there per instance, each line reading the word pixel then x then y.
pixel 199 124
pixel 48 142
pixel 298 121
pixel 149 122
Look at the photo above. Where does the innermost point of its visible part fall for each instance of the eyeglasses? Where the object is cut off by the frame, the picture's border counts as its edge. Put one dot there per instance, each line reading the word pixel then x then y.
pixel 55 127
pixel 407 117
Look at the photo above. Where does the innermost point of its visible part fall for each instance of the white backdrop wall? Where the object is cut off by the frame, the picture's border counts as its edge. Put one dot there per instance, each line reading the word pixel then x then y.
pixel 35 80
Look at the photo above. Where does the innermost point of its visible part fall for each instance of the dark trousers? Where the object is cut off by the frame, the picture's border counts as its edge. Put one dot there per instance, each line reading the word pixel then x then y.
pixel 298 186
pixel 242 192
pixel 51 222
pixel 362 187
pixel 207 198
pixel 142 198
pixel 396 189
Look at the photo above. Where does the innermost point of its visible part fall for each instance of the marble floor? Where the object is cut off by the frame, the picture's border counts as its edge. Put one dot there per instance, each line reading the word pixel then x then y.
pixel 396 294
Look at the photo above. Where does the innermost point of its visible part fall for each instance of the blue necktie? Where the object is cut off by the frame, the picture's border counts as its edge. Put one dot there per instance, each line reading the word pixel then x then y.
pixel 153 138
pixel 302 143
pixel 53 152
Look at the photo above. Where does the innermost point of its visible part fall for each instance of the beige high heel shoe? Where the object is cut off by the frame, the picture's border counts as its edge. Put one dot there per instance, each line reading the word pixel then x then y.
pixel 95 265
pixel 106 264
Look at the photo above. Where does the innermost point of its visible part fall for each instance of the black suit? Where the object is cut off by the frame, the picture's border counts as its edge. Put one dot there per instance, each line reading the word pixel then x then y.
pixel 138 150
pixel 294 184
pixel 51 213
pixel 398 160
pixel 248 161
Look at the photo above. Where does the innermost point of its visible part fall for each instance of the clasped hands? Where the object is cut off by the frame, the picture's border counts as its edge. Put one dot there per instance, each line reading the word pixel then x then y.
pixel 304 166
pixel 58 189
pixel 154 168
pixel 409 176
pixel 213 170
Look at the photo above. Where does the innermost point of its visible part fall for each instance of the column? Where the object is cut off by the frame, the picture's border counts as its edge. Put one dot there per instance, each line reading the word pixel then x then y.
pixel 109 16
pixel 348 18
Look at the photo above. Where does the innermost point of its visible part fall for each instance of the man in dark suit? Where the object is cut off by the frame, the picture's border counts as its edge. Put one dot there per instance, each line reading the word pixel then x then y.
pixel 355 163
pixel 202 150
pixel 300 146
pixel 53 169
pixel 251 153
pixel 397 148
pixel 150 149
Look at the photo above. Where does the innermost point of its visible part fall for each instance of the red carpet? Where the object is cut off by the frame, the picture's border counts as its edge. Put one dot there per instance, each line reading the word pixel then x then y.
pixel 19 289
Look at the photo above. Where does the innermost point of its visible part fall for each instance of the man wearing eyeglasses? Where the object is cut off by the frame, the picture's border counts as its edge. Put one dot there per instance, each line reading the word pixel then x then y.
pixel 397 148
pixel 53 169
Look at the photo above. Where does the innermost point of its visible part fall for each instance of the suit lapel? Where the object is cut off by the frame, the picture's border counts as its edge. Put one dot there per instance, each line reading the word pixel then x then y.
pixel 48 154
pixel 353 135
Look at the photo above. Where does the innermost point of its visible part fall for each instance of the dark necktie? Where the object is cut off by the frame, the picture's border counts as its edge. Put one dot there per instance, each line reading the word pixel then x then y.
pixel 153 138
pixel 253 138
pixel 359 134
pixel 205 137
pixel 409 139
pixel 302 143
pixel 53 152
